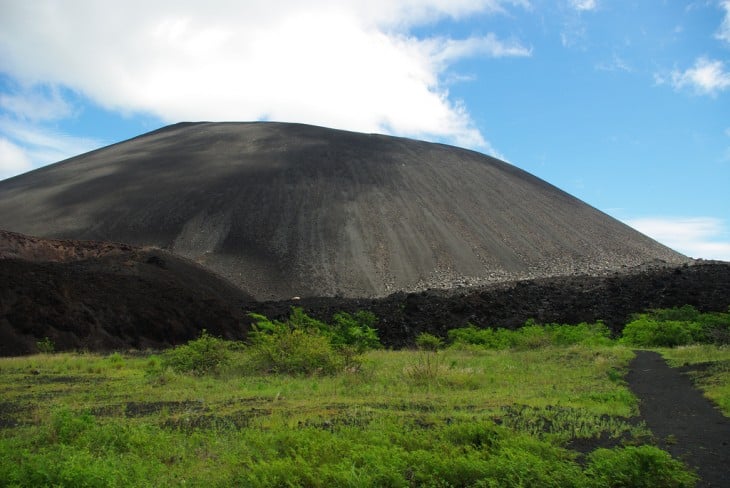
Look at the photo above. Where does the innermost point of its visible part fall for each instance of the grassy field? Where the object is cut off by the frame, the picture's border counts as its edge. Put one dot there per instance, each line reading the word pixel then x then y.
pixel 457 417
pixel 310 404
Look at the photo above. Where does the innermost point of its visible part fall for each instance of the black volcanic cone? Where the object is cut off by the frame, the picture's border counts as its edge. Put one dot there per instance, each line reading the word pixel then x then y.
pixel 288 210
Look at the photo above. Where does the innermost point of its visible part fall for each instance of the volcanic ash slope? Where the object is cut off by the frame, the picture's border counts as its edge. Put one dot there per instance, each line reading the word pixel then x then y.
pixel 288 210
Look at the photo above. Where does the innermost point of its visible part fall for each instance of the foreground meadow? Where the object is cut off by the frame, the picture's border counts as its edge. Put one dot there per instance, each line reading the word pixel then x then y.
pixel 491 418
pixel 545 406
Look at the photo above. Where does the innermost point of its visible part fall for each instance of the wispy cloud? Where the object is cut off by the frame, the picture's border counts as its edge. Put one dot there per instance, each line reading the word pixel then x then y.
pixel 698 237
pixel 13 159
pixel 706 77
pixel 448 50
pixel 574 32
pixel 584 5
pixel 36 103
pixel 26 141
pixel 616 63
pixel 354 64
pixel 723 32
pixel 25 146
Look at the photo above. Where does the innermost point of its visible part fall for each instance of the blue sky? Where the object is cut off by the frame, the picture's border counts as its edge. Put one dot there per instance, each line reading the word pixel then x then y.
pixel 625 104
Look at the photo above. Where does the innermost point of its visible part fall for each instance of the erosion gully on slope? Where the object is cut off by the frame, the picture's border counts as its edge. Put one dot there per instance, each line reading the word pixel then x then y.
pixel 685 423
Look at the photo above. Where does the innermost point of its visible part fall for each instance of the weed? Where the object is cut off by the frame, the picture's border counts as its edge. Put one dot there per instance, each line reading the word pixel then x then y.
pixel 427 369
pixel 116 360
pixel 45 346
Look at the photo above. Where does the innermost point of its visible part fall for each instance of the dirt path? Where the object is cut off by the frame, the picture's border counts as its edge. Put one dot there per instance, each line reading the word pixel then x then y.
pixel 685 423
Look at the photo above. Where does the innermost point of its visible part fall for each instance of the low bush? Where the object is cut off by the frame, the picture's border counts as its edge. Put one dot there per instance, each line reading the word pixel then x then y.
pixel 647 332
pixel 532 336
pixel 714 328
pixel 45 346
pixel 356 331
pixel 658 328
pixel 304 345
pixel 638 467
pixel 677 327
pixel 295 351
pixel 596 334
pixel 487 338
pixel 204 355
pixel 428 342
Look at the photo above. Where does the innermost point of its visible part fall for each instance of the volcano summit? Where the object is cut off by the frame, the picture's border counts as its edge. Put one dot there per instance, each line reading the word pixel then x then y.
pixel 286 210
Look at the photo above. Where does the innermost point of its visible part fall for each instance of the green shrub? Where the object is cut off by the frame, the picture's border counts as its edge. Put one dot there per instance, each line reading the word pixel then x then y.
pixel 532 336
pixel 717 334
pixel 638 467
pixel 647 332
pixel 714 328
pixel 304 345
pixel 45 346
pixel 487 338
pixel 295 351
pixel 66 426
pixel 686 313
pixel 596 334
pixel 116 360
pixel 678 326
pixel 204 355
pixel 428 342
pixel 356 331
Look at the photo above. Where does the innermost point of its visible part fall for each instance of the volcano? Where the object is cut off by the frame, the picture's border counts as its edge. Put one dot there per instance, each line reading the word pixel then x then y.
pixel 284 210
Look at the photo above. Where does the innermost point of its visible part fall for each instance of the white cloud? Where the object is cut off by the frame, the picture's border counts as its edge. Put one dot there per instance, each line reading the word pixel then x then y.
pixel 28 146
pixel 724 32
pixel 615 64
pixel 36 103
pixel 447 50
pixel 350 64
pixel 706 77
pixel 584 5
pixel 13 159
pixel 698 237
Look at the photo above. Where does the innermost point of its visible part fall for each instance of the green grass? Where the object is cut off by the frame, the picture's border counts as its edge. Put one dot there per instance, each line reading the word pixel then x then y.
pixel 478 418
